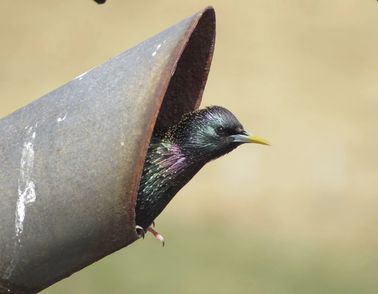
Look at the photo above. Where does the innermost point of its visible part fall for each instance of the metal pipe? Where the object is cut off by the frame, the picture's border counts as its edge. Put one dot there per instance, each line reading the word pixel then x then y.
pixel 71 161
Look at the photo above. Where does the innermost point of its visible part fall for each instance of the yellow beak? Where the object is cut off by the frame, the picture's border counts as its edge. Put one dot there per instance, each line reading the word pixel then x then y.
pixel 245 138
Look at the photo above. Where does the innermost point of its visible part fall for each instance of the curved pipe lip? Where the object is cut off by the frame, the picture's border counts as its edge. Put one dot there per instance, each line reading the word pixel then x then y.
pixel 181 89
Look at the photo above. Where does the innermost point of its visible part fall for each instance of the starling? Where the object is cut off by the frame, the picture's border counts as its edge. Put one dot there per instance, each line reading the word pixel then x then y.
pixel 174 156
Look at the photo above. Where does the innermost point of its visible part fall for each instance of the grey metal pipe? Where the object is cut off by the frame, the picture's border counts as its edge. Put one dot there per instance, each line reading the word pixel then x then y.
pixel 70 162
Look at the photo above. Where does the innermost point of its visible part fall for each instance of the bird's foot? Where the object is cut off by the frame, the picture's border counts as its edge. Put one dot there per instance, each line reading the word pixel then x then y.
pixel 142 232
pixel 156 234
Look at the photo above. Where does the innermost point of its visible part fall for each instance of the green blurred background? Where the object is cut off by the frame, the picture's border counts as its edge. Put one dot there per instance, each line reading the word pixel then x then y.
pixel 297 217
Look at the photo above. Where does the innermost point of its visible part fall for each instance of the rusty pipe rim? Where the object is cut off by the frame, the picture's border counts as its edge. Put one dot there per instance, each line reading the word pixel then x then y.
pixel 193 56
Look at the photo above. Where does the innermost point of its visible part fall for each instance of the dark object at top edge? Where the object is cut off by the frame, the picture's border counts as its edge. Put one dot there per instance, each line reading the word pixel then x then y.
pixel 100 1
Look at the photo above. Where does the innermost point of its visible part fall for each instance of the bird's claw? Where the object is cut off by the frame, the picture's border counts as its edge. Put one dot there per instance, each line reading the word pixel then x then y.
pixel 142 232
pixel 156 235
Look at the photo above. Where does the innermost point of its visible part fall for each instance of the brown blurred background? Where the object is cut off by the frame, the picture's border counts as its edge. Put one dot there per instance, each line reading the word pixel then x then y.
pixel 297 217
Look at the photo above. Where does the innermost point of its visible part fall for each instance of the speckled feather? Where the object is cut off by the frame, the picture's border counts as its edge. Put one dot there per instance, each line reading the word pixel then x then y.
pixel 175 156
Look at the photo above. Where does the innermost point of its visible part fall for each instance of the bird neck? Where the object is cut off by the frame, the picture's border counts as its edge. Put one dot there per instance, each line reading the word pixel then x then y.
pixel 200 154
pixel 180 159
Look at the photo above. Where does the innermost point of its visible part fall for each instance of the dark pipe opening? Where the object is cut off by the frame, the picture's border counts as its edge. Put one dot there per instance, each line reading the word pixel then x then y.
pixel 186 86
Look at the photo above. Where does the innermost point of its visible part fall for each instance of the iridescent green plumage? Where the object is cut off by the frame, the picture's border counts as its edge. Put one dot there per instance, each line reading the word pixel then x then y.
pixel 175 156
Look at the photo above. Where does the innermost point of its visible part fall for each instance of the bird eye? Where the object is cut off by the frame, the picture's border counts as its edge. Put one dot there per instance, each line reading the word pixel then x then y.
pixel 221 131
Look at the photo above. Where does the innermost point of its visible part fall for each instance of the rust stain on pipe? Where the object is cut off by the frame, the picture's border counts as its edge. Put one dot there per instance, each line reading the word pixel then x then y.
pixel 71 161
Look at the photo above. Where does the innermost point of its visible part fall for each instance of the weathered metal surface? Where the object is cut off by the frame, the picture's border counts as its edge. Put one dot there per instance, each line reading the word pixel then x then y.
pixel 70 162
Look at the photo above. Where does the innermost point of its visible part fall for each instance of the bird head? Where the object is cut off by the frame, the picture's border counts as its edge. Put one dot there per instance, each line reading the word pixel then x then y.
pixel 210 133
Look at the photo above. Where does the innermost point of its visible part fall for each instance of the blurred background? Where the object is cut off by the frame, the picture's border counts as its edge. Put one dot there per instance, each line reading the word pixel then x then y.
pixel 297 217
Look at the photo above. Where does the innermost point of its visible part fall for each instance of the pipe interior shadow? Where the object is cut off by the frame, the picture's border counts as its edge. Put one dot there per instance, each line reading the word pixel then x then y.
pixel 186 86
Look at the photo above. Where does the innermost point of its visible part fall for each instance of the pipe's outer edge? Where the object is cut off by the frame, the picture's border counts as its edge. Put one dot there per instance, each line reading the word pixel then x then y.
pixel 71 161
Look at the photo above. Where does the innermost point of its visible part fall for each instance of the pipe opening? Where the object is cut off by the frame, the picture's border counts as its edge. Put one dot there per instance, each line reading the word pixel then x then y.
pixel 186 85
